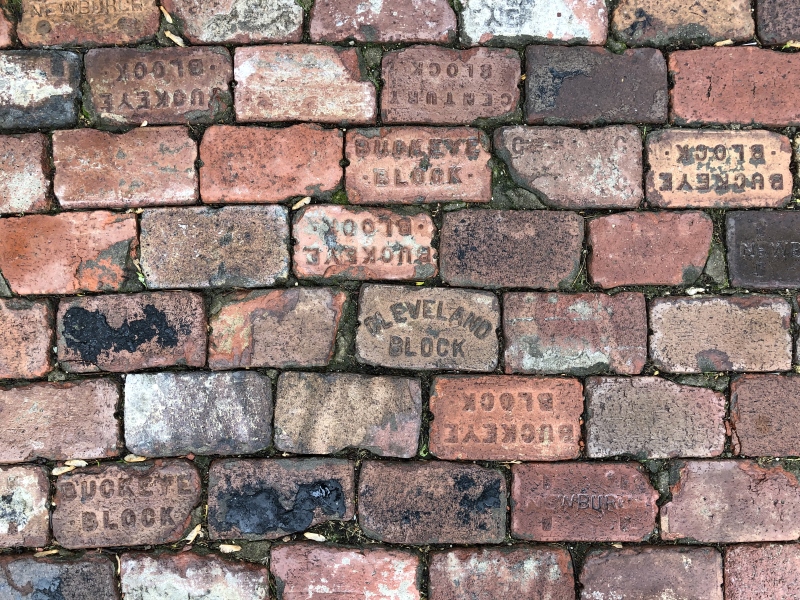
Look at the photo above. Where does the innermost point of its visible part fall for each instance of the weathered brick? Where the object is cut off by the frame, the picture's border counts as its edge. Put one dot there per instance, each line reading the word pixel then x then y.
pixel 130 332
pixel 372 243
pixel 433 85
pixel 573 168
pixel 260 164
pixel 91 577
pixel 60 421
pixel 24 170
pixel 765 415
pixel 279 328
pixel 427 328
pixel 649 248
pixel 127 86
pixel 764 249
pixel 6 31
pixel 575 333
pixel 26 336
pixel 501 417
pixel 718 169
pixel 258 499
pixel 778 21
pixel 592 86
pixel 731 501
pixel 582 502
pixel 148 166
pixel 125 505
pixel 24 519
pixel 234 246
pixel 431 503
pixel 303 82
pixel 763 571
pixel 172 414
pixel 68 252
pixel 734 333
pixel 318 413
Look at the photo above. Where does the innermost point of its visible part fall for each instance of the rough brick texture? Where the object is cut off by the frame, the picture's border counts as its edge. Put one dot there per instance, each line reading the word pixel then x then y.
pixel 24 518
pixel 755 572
pixel 765 415
pixel 6 31
pixel 24 169
pixel 26 336
pixel 90 577
pixel 763 249
pixel 778 21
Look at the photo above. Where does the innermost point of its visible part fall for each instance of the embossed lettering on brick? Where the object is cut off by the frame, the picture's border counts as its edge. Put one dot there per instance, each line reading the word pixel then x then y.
pixel 764 249
pixel 26 337
pixel 24 577
pixel 24 170
pixel 766 570
pixel 24 518
pixel 765 415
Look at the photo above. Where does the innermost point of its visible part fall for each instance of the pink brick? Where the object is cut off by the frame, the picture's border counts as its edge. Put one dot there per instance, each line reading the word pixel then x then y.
pixel 24 516
pixel 765 415
pixel 26 336
pixel 24 169
pixel 762 571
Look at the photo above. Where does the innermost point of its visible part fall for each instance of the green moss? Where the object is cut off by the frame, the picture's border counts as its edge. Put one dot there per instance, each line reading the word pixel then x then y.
pixel 340 197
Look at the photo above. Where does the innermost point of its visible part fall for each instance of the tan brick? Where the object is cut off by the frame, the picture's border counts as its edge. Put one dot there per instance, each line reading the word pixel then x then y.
pixel 26 336
pixel 24 518
pixel 25 577
pixel 763 571
pixel 765 415
pixel 24 170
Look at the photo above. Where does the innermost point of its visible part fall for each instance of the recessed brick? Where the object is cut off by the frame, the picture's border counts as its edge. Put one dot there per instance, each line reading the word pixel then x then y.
pixel 279 328
pixel 60 421
pixel 575 333
pixel 574 168
pixel 734 333
pixel 125 505
pixel 260 164
pixel 258 499
pixel 24 518
pixel 431 503
pixel 303 82
pixel 764 249
pixel 6 31
pixel 592 86
pixel 433 85
pixel 130 332
pixel 24 168
pixel 778 21
pixel 68 252
pixel 582 502
pixel 172 414
pixel 765 415
pixel 234 246
pixel 427 328
pixel 501 417
pixel 26 336
pixel 27 578
pixel 763 571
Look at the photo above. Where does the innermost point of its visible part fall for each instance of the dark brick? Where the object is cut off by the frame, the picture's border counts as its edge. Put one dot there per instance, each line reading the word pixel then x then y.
pixel 764 249
pixel 90 577
pixel 778 21
pixel 765 415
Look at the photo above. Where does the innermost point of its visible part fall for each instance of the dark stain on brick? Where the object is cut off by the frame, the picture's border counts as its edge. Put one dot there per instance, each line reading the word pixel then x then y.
pixel 713 360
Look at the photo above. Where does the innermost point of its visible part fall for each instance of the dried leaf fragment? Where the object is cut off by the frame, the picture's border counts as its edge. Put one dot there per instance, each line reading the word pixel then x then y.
pixel 132 458
pixel 314 537
pixel 177 40
pixel 229 548
pixel 61 470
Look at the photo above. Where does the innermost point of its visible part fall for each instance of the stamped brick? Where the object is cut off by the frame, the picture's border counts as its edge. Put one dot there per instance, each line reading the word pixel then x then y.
pixel 734 333
pixel 24 174
pixel 91 577
pixel 764 249
pixel 234 246
pixel 574 168
pixel 279 328
pixel 765 415
pixel 26 336
pixel 24 519
pixel 718 169
pixel 318 413
pixel 427 328
pixel 763 571
pixel 6 31
pixel 303 82
pixel 173 414
pixel 165 86
pixel 594 502
pixel 130 332
pixel 501 417
pixel 433 85
pixel 575 333
pixel 431 503
pixel 778 21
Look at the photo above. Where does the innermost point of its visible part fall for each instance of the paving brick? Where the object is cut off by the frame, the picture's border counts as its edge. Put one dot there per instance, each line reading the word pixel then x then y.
pixel 130 332
pixel 593 86
pixel 258 499
pixel 763 249
pixel 91 577
pixel 259 164
pixel 234 246
pixel 431 503
pixel 573 168
pixel 778 21
pixel 522 572
pixel 148 166
pixel 60 421
pixel 24 174
pixel 318 413
pixel 598 502
pixel 279 328
pixel 303 569
pixel 26 335
pixel 127 86
pixel 731 501
pixel 24 519
pixel 649 248
pixel 365 244
pixel 501 417
pixel 300 82
pixel 125 505
pixel 734 333
pixel 763 571
pixel 172 414
pixel 6 31
pixel 68 252
pixel 41 89
pixel 734 85
pixel 765 415
pixel 433 85
pixel 427 328
pixel 718 169
pixel 575 333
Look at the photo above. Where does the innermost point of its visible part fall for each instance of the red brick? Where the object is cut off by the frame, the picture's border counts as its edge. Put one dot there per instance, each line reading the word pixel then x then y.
pixel 130 332
pixel 26 336
pixel 24 577
pixel 582 502
pixel 763 571
pixel 778 21
pixel 6 31
pixel 259 164
pixel 495 417
pixel 765 415
pixel 68 253
pixel 746 85
pixel 24 169
pixel 303 82
pixel 149 166
pixel 24 518
pixel 575 333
